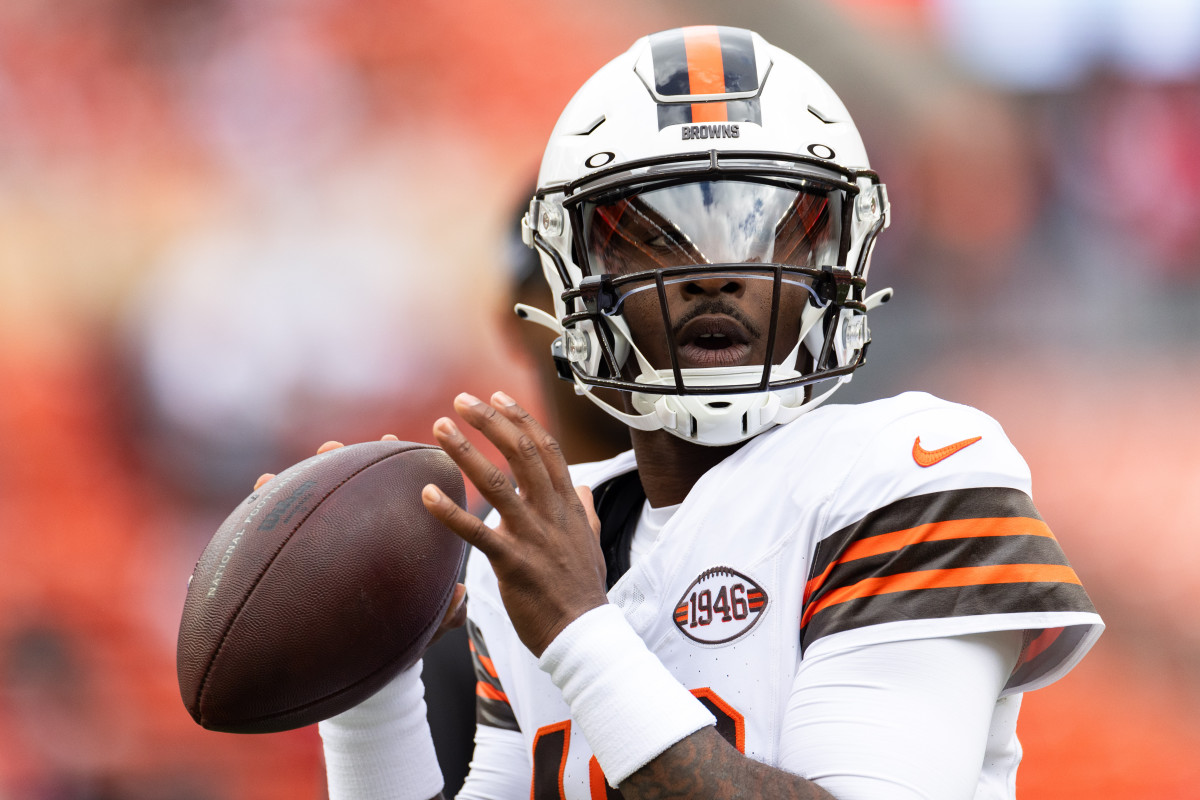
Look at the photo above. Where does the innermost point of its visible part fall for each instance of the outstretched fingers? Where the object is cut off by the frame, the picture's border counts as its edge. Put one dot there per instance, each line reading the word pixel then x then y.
pixel 536 460
pixel 490 480
pixel 545 551
pixel 466 525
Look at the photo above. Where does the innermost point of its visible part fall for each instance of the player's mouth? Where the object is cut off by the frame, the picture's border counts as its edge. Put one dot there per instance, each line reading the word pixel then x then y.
pixel 713 340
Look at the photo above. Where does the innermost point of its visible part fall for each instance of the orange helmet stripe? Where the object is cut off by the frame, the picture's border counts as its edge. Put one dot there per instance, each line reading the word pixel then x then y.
pixel 706 71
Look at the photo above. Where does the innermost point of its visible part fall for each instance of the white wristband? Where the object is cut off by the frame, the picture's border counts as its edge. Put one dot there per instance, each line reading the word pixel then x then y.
pixel 627 704
pixel 382 749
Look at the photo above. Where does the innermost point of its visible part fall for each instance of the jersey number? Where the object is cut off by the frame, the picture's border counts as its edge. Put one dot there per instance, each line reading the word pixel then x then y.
pixel 551 743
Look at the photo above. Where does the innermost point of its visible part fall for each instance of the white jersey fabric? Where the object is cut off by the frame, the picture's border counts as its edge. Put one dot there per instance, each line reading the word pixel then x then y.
pixel 839 535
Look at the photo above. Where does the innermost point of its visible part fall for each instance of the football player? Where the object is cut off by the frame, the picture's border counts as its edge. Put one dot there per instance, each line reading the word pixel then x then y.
pixel 766 597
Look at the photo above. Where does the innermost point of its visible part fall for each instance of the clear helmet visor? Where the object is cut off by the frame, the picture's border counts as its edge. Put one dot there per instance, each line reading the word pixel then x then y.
pixel 713 274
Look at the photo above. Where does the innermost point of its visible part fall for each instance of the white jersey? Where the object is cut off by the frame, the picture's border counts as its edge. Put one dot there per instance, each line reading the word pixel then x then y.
pixel 906 518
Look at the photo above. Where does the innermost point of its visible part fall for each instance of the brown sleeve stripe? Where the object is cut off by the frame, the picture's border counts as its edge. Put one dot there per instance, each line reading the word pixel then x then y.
pixel 931 532
pixel 946 554
pixel 955 601
pixel 492 706
pixel 943 579
pixel 913 512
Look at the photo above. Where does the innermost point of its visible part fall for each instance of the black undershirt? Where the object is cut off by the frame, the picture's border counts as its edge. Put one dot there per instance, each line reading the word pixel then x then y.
pixel 619 504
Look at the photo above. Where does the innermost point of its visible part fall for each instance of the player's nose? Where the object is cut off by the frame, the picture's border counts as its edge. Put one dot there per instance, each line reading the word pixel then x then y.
pixel 713 286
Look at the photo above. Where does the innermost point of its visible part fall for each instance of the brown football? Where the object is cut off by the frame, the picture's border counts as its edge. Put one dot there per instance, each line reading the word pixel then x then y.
pixel 318 589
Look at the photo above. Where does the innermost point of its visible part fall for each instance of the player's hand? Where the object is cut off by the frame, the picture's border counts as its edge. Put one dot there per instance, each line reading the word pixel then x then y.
pixel 456 613
pixel 546 550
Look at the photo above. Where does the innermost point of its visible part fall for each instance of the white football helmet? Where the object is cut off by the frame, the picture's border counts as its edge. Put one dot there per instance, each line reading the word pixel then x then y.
pixel 706 161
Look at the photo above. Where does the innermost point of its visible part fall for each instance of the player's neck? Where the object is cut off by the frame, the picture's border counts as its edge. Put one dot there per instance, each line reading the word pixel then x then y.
pixel 669 466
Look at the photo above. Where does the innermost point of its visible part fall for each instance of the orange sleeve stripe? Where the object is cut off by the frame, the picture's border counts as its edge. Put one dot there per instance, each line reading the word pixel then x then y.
pixel 706 71
pixel 488 666
pixel 943 579
pixel 490 692
pixel 933 532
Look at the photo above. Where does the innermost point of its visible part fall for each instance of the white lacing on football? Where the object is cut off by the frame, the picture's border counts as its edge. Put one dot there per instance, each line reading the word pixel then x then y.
pixel 627 704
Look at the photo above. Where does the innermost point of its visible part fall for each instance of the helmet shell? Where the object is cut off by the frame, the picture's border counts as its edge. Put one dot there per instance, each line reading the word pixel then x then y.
pixel 615 116
pixel 705 103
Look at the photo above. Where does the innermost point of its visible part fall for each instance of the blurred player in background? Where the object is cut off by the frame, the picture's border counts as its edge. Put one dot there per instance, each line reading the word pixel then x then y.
pixel 765 594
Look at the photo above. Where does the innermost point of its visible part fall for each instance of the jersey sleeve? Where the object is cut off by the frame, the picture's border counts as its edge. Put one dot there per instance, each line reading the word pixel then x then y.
pixel 492 706
pixel 911 720
pixel 499 768
pixel 957 546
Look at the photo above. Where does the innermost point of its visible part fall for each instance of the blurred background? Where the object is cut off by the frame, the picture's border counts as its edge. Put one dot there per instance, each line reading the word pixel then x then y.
pixel 233 229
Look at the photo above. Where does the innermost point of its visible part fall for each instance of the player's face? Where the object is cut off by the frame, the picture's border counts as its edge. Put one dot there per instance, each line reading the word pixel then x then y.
pixel 715 316
pixel 716 320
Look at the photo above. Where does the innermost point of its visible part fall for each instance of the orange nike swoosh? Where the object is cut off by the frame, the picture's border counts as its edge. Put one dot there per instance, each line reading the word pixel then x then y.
pixel 927 458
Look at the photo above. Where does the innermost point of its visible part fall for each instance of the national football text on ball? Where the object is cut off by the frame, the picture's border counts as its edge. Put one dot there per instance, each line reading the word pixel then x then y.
pixel 280 484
